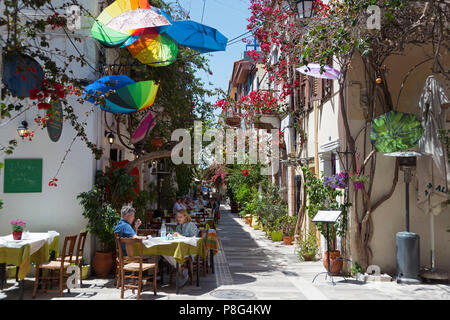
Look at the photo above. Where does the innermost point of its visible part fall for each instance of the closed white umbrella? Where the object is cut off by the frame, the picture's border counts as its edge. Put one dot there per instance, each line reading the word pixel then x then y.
pixel 433 170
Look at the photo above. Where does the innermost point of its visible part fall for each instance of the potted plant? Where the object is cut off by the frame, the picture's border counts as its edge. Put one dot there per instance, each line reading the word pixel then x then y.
pixel 17 227
pixel 308 248
pixel 358 180
pixel 102 220
pixel 337 181
pixel 286 224
pixel 323 197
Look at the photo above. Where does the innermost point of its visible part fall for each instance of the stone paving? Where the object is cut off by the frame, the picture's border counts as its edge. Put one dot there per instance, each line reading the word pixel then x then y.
pixel 250 266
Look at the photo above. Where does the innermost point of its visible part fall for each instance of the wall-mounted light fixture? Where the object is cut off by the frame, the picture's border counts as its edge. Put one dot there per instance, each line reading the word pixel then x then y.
pixel 110 136
pixel 22 130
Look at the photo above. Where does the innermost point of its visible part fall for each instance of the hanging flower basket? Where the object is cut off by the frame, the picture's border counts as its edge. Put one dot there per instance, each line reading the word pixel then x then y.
pixel 262 125
pixel 358 185
pixel 233 121
pixel 337 181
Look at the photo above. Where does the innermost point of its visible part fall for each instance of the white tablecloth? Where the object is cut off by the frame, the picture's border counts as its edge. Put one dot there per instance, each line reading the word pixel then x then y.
pixel 161 241
pixel 36 240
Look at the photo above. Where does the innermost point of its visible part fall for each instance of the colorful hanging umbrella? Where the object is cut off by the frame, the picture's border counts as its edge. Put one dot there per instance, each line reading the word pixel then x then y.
pixel 137 19
pixel 154 49
pixel 111 37
pixel 103 85
pixel 196 36
pixel 395 131
pixel 314 70
pixel 144 128
pixel 131 98
pixel 21 74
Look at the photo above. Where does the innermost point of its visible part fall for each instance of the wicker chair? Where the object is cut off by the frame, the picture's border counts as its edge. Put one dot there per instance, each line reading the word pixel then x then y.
pixel 135 267
pixel 59 266
pixel 78 257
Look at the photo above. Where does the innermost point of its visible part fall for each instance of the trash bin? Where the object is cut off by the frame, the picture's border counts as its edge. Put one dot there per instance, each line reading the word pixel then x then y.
pixel 408 258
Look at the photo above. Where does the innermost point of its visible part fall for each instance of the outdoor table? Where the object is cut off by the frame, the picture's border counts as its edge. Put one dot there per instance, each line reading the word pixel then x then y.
pixel 21 253
pixel 179 248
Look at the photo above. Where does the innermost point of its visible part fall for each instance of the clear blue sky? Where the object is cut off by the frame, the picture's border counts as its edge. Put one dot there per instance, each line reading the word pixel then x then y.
pixel 230 18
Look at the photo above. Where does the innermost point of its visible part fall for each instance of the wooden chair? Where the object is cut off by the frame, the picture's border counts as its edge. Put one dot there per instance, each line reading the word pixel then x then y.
pixel 59 266
pixel 148 218
pixel 135 266
pixel 78 257
pixel 116 240
pixel 200 261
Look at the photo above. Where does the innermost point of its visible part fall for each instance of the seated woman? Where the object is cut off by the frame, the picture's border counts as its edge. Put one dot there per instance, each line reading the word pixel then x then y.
pixel 187 228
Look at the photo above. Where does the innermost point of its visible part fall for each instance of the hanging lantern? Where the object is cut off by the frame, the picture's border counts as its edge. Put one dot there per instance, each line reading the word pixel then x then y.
pixel 110 138
pixel 157 142
pixel 22 130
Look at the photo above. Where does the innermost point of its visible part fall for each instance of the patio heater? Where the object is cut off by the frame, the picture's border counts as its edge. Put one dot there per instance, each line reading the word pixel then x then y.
pixel 407 243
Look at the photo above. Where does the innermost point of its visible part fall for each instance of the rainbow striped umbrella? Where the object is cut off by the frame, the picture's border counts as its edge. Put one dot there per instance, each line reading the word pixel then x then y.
pixel 120 23
pixel 131 98
pixel 154 49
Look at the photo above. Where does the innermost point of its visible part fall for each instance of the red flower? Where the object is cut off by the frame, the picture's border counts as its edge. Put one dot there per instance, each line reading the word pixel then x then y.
pixel 244 172
pixel 44 105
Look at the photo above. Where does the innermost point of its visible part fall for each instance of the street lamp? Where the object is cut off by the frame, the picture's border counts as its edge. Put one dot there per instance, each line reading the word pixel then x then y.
pixel 22 130
pixel 304 8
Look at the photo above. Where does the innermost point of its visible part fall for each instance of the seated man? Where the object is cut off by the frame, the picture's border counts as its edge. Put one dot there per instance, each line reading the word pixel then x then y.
pixel 124 228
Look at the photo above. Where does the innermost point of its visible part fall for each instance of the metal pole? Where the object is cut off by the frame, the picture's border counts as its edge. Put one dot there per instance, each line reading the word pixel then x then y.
pixel 328 249
pixel 178 278
pixel 432 256
pixel 407 205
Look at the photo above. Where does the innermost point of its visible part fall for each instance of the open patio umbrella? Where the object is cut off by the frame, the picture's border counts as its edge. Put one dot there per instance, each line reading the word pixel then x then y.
pixel 155 49
pixel 196 36
pixel 314 70
pixel 131 98
pixel 144 128
pixel 395 131
pixel 21 74
pixel 98 88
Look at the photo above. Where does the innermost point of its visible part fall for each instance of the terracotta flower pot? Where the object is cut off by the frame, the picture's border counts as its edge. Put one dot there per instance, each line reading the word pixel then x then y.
pixel 336 266
pixel 102 263
pixel 17 235
pixel 307 257
pixel 287 240
pixel 358 185
pixel 157 142
pixel 250 222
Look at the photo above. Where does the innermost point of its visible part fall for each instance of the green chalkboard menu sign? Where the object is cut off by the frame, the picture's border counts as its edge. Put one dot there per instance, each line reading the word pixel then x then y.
pixel 22 176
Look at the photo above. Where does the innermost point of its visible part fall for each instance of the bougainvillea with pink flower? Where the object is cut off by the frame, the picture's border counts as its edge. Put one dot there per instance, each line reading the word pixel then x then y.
pixel 255 103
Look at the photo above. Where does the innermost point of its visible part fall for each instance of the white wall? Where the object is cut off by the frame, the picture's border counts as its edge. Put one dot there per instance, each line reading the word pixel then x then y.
pixel 56 208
